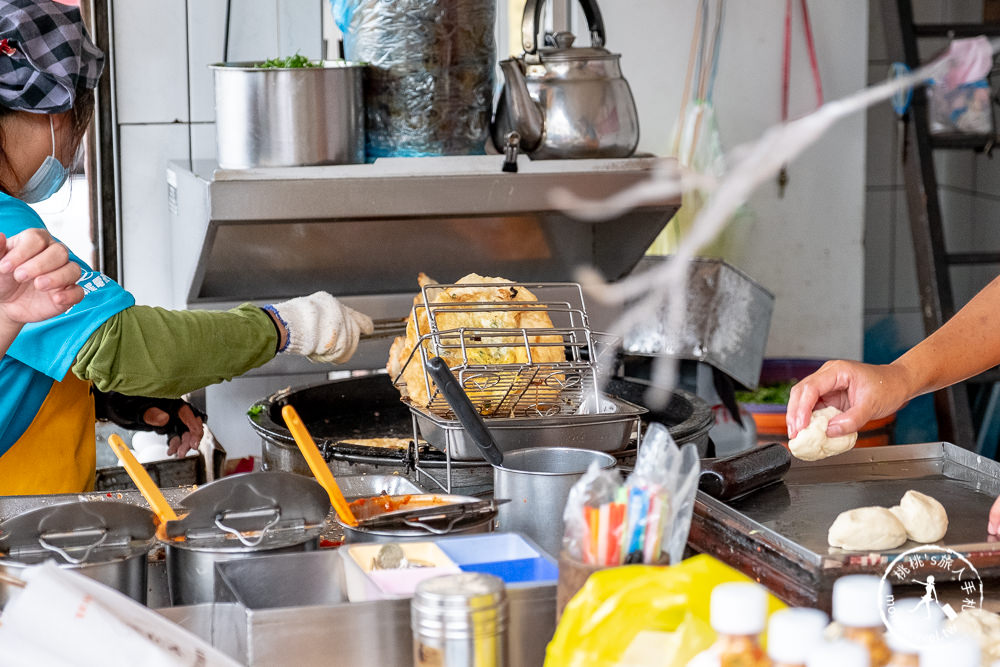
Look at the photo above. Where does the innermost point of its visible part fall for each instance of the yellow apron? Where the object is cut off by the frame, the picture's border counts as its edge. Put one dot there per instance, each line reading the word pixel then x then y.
pixel 57 453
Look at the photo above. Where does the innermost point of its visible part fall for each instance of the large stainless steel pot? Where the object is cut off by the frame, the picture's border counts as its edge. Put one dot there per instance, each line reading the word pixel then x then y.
pixel 289 117
pixel 106 541
pixel 537 482
pixel 239 517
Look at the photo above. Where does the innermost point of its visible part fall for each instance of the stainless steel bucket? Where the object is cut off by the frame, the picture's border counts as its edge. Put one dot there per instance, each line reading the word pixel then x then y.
pixel 537 482
pixel 236 517
pixel 106 541
pixel 289 117
pixel 191 571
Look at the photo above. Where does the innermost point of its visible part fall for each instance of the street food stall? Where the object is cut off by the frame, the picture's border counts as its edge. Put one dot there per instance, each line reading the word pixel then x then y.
pixel 495 479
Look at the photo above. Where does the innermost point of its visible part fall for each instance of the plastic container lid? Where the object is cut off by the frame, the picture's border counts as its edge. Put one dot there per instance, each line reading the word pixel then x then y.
pixel 792 634
pixel 840 653
pixel 955 651
pixel 858 600
pixel 913 623
pixel 739 609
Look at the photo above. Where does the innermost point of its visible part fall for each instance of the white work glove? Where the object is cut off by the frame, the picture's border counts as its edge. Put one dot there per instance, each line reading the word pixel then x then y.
pixel 321 328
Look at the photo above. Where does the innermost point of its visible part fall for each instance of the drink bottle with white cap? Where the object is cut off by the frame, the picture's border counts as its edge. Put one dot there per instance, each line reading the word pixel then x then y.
pixel 738 614
pixel 953 651
pixel 913 623
pixel 792 634
pixel 858 600
pixel 840 653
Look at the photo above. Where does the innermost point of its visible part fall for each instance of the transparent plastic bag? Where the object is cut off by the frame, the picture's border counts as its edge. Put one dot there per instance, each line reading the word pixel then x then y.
pixel 429 84
pixel 961 101
pixel 644 520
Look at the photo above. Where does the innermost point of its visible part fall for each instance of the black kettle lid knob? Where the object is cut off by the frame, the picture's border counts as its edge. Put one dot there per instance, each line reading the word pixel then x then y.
pixel 564 39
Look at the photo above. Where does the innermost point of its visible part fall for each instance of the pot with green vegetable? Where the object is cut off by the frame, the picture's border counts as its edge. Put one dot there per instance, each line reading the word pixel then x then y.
pixel 289 112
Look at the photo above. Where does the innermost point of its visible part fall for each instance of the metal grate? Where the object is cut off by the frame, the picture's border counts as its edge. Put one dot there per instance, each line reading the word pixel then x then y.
pixel 507 371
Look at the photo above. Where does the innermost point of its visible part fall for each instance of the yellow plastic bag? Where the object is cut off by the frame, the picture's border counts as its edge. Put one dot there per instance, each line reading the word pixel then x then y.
pixel 624 614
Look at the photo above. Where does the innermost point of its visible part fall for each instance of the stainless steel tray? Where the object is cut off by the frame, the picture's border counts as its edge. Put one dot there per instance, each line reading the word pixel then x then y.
pixel 781 532
pixel 606 432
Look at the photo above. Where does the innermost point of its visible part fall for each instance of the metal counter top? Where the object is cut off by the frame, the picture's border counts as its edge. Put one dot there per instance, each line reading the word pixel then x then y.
pixel 779 534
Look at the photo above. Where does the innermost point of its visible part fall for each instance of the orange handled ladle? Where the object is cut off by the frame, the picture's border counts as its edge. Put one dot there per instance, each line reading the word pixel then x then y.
pixel 150 491
pixel 317 464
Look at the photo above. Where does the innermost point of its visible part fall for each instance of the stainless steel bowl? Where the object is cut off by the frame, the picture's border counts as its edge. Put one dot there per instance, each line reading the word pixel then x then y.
pixel 289 117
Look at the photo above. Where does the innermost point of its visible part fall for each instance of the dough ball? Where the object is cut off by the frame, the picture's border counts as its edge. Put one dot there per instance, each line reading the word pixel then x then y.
pixel 811 443
pixel 981 625
pixel 866 529
pixel 923 517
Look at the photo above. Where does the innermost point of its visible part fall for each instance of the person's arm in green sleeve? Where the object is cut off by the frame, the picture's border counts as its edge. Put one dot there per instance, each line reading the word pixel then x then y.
pixel 148 351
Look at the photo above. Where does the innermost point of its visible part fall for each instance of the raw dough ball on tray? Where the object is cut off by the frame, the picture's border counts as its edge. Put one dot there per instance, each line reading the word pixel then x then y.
pixel 866 529
pixel 923 517
pixel 812 444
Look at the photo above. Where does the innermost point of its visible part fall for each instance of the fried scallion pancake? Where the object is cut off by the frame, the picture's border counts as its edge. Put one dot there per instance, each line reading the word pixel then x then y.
pixel 500 349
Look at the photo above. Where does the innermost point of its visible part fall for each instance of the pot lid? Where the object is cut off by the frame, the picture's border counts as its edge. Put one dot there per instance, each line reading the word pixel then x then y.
pixel 78 532
pixel 257 510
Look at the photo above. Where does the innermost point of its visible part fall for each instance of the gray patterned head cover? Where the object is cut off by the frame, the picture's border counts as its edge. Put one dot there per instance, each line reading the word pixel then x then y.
pixel 45 53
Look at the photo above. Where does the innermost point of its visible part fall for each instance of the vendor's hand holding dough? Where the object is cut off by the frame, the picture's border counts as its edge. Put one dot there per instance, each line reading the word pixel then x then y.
pixel 320 327
pixel 867 529
pixel 812 443
pixel 37 278
pixel 861 391
pixel 924 518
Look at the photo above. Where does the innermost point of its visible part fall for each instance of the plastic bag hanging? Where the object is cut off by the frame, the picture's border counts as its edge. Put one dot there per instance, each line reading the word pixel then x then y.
pixel 696 142
pixel 429 84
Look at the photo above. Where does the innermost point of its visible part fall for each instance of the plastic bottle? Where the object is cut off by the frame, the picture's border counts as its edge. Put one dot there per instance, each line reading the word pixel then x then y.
pixel 913 623
pixel 738 613
pixel 840 653
pixel 954 651
pixel 792 634
pixel 858 600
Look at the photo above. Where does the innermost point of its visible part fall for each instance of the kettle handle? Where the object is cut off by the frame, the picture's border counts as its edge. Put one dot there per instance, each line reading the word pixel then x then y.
pixel 532 18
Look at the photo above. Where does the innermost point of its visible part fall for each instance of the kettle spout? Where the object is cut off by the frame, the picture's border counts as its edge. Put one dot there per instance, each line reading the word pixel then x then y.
pixel 524 114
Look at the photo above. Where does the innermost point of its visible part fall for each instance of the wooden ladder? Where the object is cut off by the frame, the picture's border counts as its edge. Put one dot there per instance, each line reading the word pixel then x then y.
pixel 937 301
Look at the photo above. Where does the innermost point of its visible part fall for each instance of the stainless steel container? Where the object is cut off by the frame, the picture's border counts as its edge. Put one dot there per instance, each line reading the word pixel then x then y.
pixel 537 482
pixel 106 541
pixel 605 432
pixel 238 517
pixel 468 526
pixel 460 620
pixel 289 117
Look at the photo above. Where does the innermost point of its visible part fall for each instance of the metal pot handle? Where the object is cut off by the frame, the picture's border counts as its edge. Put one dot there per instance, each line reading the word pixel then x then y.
pixel 103 532
pixel 239 534
pixel 431 529
pixel 532 18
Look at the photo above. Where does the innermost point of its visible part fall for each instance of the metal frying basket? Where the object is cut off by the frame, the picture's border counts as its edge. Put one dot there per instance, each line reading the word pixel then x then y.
pixel 500 367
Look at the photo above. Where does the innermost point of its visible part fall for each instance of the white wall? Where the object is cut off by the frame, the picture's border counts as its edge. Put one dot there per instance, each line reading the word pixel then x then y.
pixel 807 247
pixel 165 106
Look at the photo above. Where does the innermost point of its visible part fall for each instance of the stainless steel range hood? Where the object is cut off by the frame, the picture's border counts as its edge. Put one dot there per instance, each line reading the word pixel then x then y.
pixel 367 230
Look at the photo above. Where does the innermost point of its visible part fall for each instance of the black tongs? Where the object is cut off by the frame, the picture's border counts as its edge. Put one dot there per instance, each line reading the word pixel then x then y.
pixel 424 516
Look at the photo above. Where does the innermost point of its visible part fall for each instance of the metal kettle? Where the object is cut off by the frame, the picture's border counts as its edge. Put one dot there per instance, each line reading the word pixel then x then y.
pixel 565 101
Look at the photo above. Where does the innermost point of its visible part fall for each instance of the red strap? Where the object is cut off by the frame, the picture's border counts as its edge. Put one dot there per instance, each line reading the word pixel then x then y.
pixel 787 57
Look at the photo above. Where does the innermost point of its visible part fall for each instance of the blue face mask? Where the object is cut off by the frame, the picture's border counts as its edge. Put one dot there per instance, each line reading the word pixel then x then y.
pixel 49 177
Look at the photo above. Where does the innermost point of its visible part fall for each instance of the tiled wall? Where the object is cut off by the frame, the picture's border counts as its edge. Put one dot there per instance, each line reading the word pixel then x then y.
pixel 970 203
pixel 165 105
